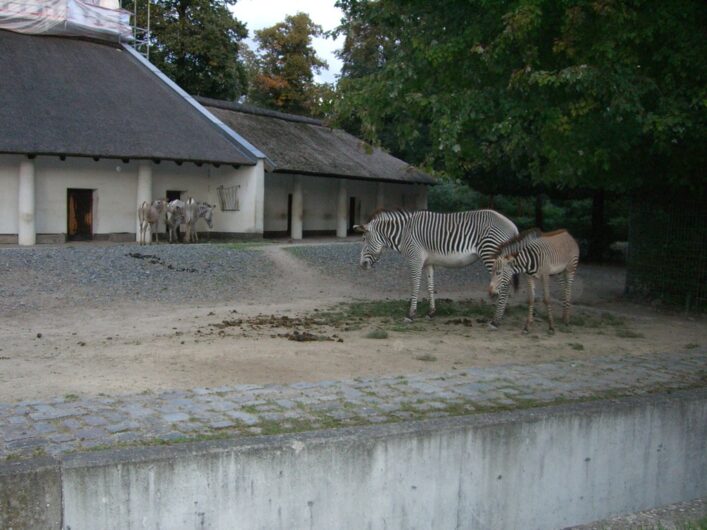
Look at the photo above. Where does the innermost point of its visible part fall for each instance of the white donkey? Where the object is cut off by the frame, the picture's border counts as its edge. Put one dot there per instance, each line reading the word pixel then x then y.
pixel 149 216
pixel 193 211
pixel 175 217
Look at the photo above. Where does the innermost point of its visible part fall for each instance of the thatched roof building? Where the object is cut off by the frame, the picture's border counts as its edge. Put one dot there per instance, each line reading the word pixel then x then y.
pixel 306 146
pixel 75 97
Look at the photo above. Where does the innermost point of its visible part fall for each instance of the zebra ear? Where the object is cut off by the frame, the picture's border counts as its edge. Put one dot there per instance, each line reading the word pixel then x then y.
pixel 361 229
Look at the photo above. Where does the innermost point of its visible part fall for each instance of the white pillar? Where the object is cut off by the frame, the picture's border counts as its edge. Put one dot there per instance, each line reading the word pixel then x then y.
pixel 26 232
pixel 297 209
pixel 421 203
pixel 259 221
pixel 342 210
pixel 379 196
pixel 144 193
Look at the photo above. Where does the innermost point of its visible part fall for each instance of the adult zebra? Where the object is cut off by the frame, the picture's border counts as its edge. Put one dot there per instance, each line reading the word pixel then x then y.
pixel 427 239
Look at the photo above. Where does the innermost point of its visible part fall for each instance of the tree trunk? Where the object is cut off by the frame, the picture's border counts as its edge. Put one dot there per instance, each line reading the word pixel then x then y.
pixel 598 237
pixel 539 218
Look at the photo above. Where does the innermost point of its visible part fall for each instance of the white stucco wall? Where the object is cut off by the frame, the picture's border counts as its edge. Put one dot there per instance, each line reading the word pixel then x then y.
pixel 114 186
pixel 114 195
pixel 9 189
pixel 320 200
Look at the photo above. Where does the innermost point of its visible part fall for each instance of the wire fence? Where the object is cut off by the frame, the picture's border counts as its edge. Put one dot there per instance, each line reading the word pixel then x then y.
pixel 667 255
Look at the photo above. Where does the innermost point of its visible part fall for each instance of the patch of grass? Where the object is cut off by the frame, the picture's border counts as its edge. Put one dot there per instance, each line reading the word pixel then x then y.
pixel 377 334
pixel 246 245
pixel 691 345
pixel 399 308
pixel 426 357
pixel 625 333
pixel 71 397
pixel 588 320
pixel 576 346
pixel 406 327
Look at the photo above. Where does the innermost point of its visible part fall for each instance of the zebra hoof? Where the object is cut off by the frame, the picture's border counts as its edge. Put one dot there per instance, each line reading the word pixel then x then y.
pixel 492 326
pixel 429 316
pixel 408 320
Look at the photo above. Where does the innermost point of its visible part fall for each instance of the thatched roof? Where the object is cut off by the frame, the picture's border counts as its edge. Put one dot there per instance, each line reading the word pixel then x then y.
pixel 295 144
pixel 72 97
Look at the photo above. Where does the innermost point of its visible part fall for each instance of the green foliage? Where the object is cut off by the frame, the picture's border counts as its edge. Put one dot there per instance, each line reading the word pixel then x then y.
pixel 196 43
pixel 452 196
pixel 573 215
pixel 528 95
pixel 283 78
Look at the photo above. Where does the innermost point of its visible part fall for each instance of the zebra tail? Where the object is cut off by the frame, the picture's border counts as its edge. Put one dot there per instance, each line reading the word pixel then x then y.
pixel 516 281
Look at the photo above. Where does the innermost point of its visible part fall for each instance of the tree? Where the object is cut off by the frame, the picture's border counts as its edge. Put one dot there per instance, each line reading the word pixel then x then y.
pixel 286 66
pixel 568 95
pixel 570 98
pixel 196 43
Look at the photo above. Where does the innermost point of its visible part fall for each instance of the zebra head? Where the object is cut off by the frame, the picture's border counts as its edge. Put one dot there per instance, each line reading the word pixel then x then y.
pixel 501 275
pixel 207 212
pixel 372 245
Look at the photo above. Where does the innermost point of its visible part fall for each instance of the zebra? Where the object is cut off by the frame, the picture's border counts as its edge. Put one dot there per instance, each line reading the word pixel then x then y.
pixel 149 216
pixel 427 239
pixel 193 211
pixel 175 217
pixel 537 255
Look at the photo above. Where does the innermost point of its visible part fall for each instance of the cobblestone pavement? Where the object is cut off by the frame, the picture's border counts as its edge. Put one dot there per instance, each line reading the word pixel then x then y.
pixel 690 515
pixel 69 424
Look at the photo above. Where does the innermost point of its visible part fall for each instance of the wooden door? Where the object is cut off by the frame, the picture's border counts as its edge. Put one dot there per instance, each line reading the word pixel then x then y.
pixel 79 214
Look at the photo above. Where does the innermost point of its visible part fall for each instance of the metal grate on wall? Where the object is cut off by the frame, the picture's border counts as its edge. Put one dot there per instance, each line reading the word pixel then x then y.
pixel 228 198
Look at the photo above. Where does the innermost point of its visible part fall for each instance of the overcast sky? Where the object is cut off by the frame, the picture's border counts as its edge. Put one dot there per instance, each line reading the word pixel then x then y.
pixel 259 14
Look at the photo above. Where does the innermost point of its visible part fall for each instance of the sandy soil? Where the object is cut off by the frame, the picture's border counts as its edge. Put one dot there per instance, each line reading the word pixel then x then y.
pixel 131 348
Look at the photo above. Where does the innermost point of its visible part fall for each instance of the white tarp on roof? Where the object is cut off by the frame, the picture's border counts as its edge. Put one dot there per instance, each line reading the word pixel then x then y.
pixel 87 18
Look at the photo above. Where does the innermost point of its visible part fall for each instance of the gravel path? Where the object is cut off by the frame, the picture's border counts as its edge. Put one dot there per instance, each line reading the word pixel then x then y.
pixel 390 276
pixel 98 275
pixel 46 277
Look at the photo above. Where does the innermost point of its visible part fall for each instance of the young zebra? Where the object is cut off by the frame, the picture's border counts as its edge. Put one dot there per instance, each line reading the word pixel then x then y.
pixel 428 239
pixel 537 255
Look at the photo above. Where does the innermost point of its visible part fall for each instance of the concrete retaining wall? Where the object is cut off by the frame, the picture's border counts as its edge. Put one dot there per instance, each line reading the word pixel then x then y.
pixel 540 468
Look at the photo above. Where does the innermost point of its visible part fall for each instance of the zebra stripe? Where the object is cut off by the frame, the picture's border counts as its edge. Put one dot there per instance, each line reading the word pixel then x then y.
pixel 427 239
pixel 541 255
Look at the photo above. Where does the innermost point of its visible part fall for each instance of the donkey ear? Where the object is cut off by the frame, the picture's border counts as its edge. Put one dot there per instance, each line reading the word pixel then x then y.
pixel 361 229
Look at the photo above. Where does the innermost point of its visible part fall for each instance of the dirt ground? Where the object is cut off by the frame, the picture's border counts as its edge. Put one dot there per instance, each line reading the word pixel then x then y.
pixel 132 348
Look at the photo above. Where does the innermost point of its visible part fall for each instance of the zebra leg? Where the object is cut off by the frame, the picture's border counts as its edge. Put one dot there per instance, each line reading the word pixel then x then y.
pixel 531 303
pixel 415 278
pixel 431 290
pixel 569 278
pixel 546 299
pixel 500 308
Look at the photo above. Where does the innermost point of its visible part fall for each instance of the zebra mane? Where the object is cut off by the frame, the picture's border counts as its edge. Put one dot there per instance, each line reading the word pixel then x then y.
pixel 384 213
pixel 514 244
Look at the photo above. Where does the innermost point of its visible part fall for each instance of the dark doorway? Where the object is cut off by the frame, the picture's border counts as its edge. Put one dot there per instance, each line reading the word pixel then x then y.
pixel 352 213
pixel 79 222
pixel 289 215
pixel 173 195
